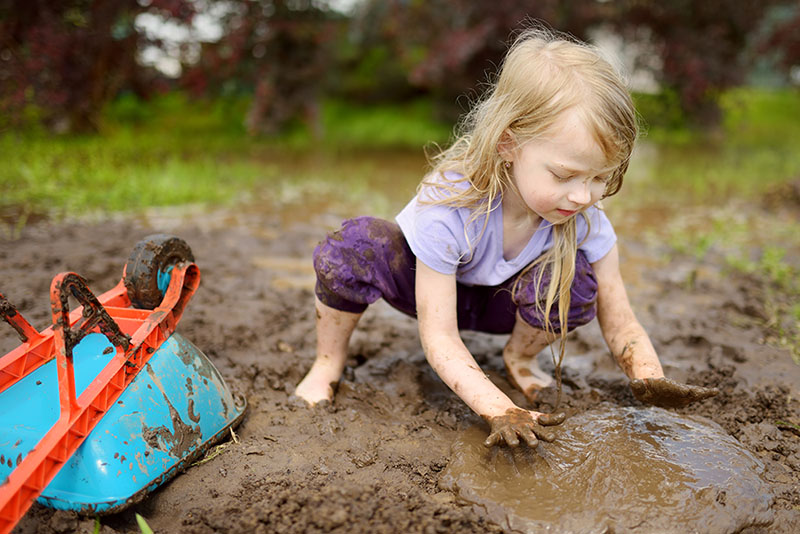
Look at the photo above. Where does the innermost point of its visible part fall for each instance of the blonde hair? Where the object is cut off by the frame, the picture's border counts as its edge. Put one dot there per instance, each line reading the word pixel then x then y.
pixel 543 75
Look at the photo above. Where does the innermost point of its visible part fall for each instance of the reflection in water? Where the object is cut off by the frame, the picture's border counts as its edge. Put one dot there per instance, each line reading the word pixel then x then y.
pixel 615 469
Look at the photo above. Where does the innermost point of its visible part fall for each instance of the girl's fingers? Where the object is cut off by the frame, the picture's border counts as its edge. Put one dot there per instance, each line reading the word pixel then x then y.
pixel 510 437
pixel 668 393
pixel 518 423
pixel 492 440
pixel 639 388
pixel 700 393
pixel 545 435
pixel 529 435
pixel 550 419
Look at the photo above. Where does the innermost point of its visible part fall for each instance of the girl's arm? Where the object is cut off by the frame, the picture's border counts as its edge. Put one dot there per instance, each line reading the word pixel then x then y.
pixel 630 344
pixel 626 338
pixel 449 357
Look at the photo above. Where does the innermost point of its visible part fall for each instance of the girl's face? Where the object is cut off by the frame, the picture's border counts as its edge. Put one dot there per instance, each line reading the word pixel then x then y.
pixel 559 175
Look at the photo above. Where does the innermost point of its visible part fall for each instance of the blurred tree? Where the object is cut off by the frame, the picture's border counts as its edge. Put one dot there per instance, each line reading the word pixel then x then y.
pixel 449 47
pixel 61 62
pixel 783 37
pixel 280 51
pixel 701 44
pixel 445 47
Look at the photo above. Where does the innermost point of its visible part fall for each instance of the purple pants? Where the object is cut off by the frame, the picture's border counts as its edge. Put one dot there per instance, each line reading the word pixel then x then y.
pixel 368 258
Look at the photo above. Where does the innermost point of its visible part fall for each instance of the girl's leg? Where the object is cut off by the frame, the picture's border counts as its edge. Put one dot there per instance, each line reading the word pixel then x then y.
pixel 365 260
pixel 519 357
pixel 492 309
pixel 334 329
pixel 529 337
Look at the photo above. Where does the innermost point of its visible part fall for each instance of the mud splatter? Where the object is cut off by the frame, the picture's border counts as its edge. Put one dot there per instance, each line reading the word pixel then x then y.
pixel 182 438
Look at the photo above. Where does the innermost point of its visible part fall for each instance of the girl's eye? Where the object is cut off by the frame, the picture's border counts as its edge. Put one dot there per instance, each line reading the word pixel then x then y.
pixel 601 179
pixel 561 178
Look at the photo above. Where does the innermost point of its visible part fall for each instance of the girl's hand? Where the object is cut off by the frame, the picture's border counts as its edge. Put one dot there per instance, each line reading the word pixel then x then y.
pixel 523 423
pixel 667 393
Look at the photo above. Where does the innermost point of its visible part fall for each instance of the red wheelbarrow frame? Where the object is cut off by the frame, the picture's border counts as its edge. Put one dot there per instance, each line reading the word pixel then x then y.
pixel 136 334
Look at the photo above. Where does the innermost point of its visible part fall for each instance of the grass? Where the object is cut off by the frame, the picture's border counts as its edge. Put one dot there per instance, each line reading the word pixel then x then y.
pixel 143 526
pixel 216 451
pixel 173 151
pixel 116 175
pixel 754 148
pixel 781 290
pixel 787 424
pixel 140 521
pixel 760 244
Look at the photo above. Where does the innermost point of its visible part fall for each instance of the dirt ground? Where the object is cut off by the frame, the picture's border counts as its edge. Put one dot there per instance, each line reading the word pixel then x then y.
pixel 372 461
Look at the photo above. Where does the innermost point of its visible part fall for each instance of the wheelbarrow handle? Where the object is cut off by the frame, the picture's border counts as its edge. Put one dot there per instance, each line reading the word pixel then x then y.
pixel 9 313
pixel 94 315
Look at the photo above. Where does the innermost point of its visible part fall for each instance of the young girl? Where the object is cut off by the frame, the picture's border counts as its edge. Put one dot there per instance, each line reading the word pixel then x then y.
pixel 504 236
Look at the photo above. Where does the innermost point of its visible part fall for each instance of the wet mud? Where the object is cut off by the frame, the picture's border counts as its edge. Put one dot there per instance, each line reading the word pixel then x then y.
pixel 377 459
pixel 617 469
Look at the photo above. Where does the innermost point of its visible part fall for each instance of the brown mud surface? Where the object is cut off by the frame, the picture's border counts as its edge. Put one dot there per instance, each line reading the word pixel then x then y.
pixel 374 460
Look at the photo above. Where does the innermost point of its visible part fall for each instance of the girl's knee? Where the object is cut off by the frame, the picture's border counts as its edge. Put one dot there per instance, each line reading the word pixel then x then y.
pixel 354 263
pixel 360 245
pixel 584 285
pixel 583 297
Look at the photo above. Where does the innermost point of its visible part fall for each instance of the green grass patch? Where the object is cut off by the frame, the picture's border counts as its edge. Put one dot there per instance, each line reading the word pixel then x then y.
pixel 173 150
pixel 732 237
pixel 780 282
pixel 754 149
pixel 111 174
pixel 405 125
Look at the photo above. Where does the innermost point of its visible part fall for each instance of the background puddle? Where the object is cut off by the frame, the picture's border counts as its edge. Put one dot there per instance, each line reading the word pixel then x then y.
pixel 616 469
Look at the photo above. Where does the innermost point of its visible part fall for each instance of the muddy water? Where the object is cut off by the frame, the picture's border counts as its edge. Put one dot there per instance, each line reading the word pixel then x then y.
pixel 616 469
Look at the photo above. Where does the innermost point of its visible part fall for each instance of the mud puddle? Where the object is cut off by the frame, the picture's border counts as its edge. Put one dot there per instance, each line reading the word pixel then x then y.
pixel 616 469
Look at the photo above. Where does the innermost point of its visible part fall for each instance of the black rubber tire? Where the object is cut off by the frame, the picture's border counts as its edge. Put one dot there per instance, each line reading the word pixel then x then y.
pixel 152 254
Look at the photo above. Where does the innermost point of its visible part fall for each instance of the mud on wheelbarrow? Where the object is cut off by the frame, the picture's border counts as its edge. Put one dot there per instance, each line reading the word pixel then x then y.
pixel 109 402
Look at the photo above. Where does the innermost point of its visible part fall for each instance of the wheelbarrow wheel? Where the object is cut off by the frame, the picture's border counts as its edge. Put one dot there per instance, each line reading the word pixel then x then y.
pixel 149 263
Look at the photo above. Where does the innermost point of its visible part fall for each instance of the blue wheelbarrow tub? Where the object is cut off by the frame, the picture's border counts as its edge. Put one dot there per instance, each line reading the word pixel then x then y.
pixel 168 416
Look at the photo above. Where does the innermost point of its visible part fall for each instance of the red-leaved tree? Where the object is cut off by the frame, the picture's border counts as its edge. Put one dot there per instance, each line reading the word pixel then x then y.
pixel 702 45
pixel 61 62
pixel 281 52
pixel 448 46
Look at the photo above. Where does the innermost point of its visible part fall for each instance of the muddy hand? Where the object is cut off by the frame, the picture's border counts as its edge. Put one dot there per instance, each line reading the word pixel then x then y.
pixel 667 393
pixel 518 423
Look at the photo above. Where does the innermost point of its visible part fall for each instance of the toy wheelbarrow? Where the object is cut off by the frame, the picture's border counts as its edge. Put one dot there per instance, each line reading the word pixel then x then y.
pixel 108 403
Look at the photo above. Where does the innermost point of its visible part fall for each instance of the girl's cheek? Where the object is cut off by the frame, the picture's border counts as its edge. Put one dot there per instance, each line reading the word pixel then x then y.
pixel 597 191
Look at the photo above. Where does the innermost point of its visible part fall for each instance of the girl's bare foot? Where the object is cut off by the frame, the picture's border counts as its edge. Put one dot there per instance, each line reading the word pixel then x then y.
pixel 528 377
pixel 318 385
pixel 519 357
pixel 334 328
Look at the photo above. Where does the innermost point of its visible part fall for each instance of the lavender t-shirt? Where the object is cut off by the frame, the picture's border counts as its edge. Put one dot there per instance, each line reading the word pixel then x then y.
pixel 437 237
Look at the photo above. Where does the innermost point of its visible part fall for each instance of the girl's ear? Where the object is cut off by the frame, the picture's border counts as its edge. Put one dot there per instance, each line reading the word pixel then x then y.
pixel 506 146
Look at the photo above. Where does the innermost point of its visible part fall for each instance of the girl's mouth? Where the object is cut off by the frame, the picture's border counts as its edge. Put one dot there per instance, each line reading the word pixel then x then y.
pixel 567 213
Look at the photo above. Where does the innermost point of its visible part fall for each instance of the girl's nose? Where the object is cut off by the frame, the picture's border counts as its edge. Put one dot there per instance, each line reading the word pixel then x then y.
pixel 580 193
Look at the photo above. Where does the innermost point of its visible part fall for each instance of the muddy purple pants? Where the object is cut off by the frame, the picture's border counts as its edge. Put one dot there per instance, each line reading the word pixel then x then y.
pixel 368 259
